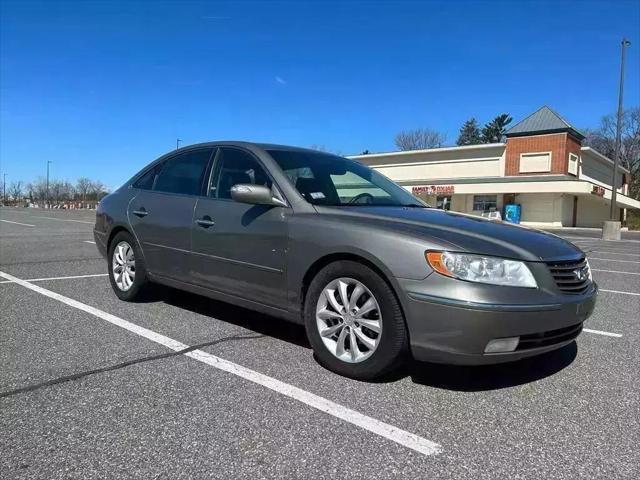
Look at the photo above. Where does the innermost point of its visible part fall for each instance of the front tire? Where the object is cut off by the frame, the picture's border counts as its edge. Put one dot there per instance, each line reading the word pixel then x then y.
pixel 354 322
pixel 127 272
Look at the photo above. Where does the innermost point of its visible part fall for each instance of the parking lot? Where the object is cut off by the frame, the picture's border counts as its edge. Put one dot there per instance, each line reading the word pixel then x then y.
pixel 180 386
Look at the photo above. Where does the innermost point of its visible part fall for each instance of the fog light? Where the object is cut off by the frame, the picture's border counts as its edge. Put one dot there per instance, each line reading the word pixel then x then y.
pixel 501 345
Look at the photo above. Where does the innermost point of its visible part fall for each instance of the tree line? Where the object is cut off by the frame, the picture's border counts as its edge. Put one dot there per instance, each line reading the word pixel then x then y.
pixel 603 139
pixel 470 134
pixel 84 191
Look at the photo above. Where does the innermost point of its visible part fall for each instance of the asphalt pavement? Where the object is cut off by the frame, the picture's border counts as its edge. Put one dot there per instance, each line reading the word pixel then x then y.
pixel 180 386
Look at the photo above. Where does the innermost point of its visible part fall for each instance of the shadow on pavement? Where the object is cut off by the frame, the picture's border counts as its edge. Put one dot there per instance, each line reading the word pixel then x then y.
pixel 492 377
pixel 449 377
pixel 242 317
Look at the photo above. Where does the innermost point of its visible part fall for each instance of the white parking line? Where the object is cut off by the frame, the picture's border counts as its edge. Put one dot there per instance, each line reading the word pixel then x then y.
pixel 593 239
pixel 615 271
pixel 623 293
pixel 595 248
pixel 401 437
pixel 574 237
pixel 608 252
pixel 604 243
pixel 600 332
pixel 70 277
pixel 612 260
pixel 65 220
pixel 89 241
pixel 18 223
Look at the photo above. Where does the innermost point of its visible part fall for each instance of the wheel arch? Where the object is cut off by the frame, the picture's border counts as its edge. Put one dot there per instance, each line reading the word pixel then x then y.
pixel 116 230
pixel 325 260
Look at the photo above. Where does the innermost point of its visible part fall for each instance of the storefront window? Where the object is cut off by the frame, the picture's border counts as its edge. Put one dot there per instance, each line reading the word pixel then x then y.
pixel 484 203
pixel 443 202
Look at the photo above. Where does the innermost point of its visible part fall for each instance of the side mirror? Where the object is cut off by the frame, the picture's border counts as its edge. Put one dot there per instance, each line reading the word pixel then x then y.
pixel 255 194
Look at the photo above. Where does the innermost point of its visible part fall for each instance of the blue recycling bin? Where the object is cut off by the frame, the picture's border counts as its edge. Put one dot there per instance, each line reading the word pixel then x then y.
pixel 512 212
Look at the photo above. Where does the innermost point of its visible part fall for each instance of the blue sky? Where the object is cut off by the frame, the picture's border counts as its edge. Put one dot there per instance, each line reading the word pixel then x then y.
pixel 102 88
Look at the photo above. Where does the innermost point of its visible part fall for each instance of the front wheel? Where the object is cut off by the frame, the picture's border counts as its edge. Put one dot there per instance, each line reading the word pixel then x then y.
pixel 354 321
pixel 127 272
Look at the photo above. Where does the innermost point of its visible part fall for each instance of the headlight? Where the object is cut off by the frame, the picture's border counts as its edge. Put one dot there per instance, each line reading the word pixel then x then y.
pixel 477 268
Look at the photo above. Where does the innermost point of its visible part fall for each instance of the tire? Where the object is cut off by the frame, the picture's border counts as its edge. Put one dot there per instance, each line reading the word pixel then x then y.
pixel 128 291
pixel 319 314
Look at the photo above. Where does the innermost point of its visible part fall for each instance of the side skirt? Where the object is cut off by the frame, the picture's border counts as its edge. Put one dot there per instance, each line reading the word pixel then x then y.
pixel 225 297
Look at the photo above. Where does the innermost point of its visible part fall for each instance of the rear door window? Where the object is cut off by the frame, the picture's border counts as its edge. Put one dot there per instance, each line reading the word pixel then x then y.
pixel 184 173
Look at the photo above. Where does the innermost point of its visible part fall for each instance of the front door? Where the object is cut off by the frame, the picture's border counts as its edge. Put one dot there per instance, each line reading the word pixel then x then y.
pixel 161 214
pixel 237 248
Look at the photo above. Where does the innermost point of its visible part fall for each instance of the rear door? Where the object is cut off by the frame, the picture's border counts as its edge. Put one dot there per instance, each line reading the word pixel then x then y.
pixel 161 214
pixel 239 249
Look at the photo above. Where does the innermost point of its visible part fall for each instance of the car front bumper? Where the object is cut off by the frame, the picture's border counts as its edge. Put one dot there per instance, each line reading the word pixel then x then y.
pixel 455 331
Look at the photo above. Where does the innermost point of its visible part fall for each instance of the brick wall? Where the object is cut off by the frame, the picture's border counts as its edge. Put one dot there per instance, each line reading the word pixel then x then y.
pixel 559 144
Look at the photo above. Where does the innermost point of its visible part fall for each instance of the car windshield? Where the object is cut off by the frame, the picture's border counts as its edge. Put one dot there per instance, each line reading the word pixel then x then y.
pixel 324 179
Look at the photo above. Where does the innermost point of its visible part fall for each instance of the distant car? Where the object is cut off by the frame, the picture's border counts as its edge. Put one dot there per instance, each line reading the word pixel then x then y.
pixel 371 271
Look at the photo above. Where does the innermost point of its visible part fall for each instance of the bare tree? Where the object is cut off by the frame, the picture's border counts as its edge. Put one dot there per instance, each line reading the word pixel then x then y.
pixel 603 138
pixel 97 190
pixel 55 190
pixel 37 190
pixel 68 190
pixel 61 191
pixel 29 193
pixel 15 191
pixel 419 139
pixel 83 187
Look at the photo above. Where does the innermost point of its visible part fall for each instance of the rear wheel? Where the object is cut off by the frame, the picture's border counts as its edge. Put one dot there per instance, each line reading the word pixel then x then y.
pixel 354 321
pixel 127 272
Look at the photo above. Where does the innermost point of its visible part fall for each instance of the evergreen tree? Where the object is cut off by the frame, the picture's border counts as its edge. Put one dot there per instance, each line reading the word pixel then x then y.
pixel 496 128
pixel 470 133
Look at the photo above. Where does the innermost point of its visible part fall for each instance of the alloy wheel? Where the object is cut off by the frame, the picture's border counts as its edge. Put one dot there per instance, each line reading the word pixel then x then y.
pixel 123 265
pixel 349 320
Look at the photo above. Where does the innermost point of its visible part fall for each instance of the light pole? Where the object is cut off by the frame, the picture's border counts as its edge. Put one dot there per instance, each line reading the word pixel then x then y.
pixel 178 143
pixel 47 199
pixel 4 188
pixel 616 160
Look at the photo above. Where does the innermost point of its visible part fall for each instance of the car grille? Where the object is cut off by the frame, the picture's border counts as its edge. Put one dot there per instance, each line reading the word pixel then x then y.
pixel 551 337
pixel 572 277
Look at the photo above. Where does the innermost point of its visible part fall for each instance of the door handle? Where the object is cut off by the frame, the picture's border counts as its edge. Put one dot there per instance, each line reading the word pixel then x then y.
pixel 205 222
pixel 142 212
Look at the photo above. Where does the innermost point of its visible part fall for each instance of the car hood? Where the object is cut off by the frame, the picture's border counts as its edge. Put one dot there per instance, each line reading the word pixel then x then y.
pixel 461 232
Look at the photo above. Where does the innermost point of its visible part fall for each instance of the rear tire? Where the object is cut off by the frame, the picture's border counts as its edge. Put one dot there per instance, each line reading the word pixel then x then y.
pixel 127 270
pixel 367 339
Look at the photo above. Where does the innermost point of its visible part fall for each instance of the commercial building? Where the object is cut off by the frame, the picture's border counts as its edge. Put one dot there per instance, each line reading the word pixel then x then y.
pixel 542 167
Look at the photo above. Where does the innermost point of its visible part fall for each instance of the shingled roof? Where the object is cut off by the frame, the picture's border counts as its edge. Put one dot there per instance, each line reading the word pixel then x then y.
pixel 543 120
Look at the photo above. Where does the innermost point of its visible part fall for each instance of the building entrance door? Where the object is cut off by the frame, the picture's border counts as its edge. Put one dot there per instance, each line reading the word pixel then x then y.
pixel 443 202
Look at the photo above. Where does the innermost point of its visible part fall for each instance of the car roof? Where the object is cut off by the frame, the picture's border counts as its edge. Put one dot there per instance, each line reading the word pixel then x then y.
pixel 263 146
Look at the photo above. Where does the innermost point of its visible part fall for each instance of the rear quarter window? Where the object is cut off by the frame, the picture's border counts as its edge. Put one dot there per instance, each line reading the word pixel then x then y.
pixel 146 181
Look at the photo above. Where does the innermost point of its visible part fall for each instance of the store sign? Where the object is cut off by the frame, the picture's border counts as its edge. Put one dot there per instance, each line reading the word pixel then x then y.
pixel 598 190
pixel 434 190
